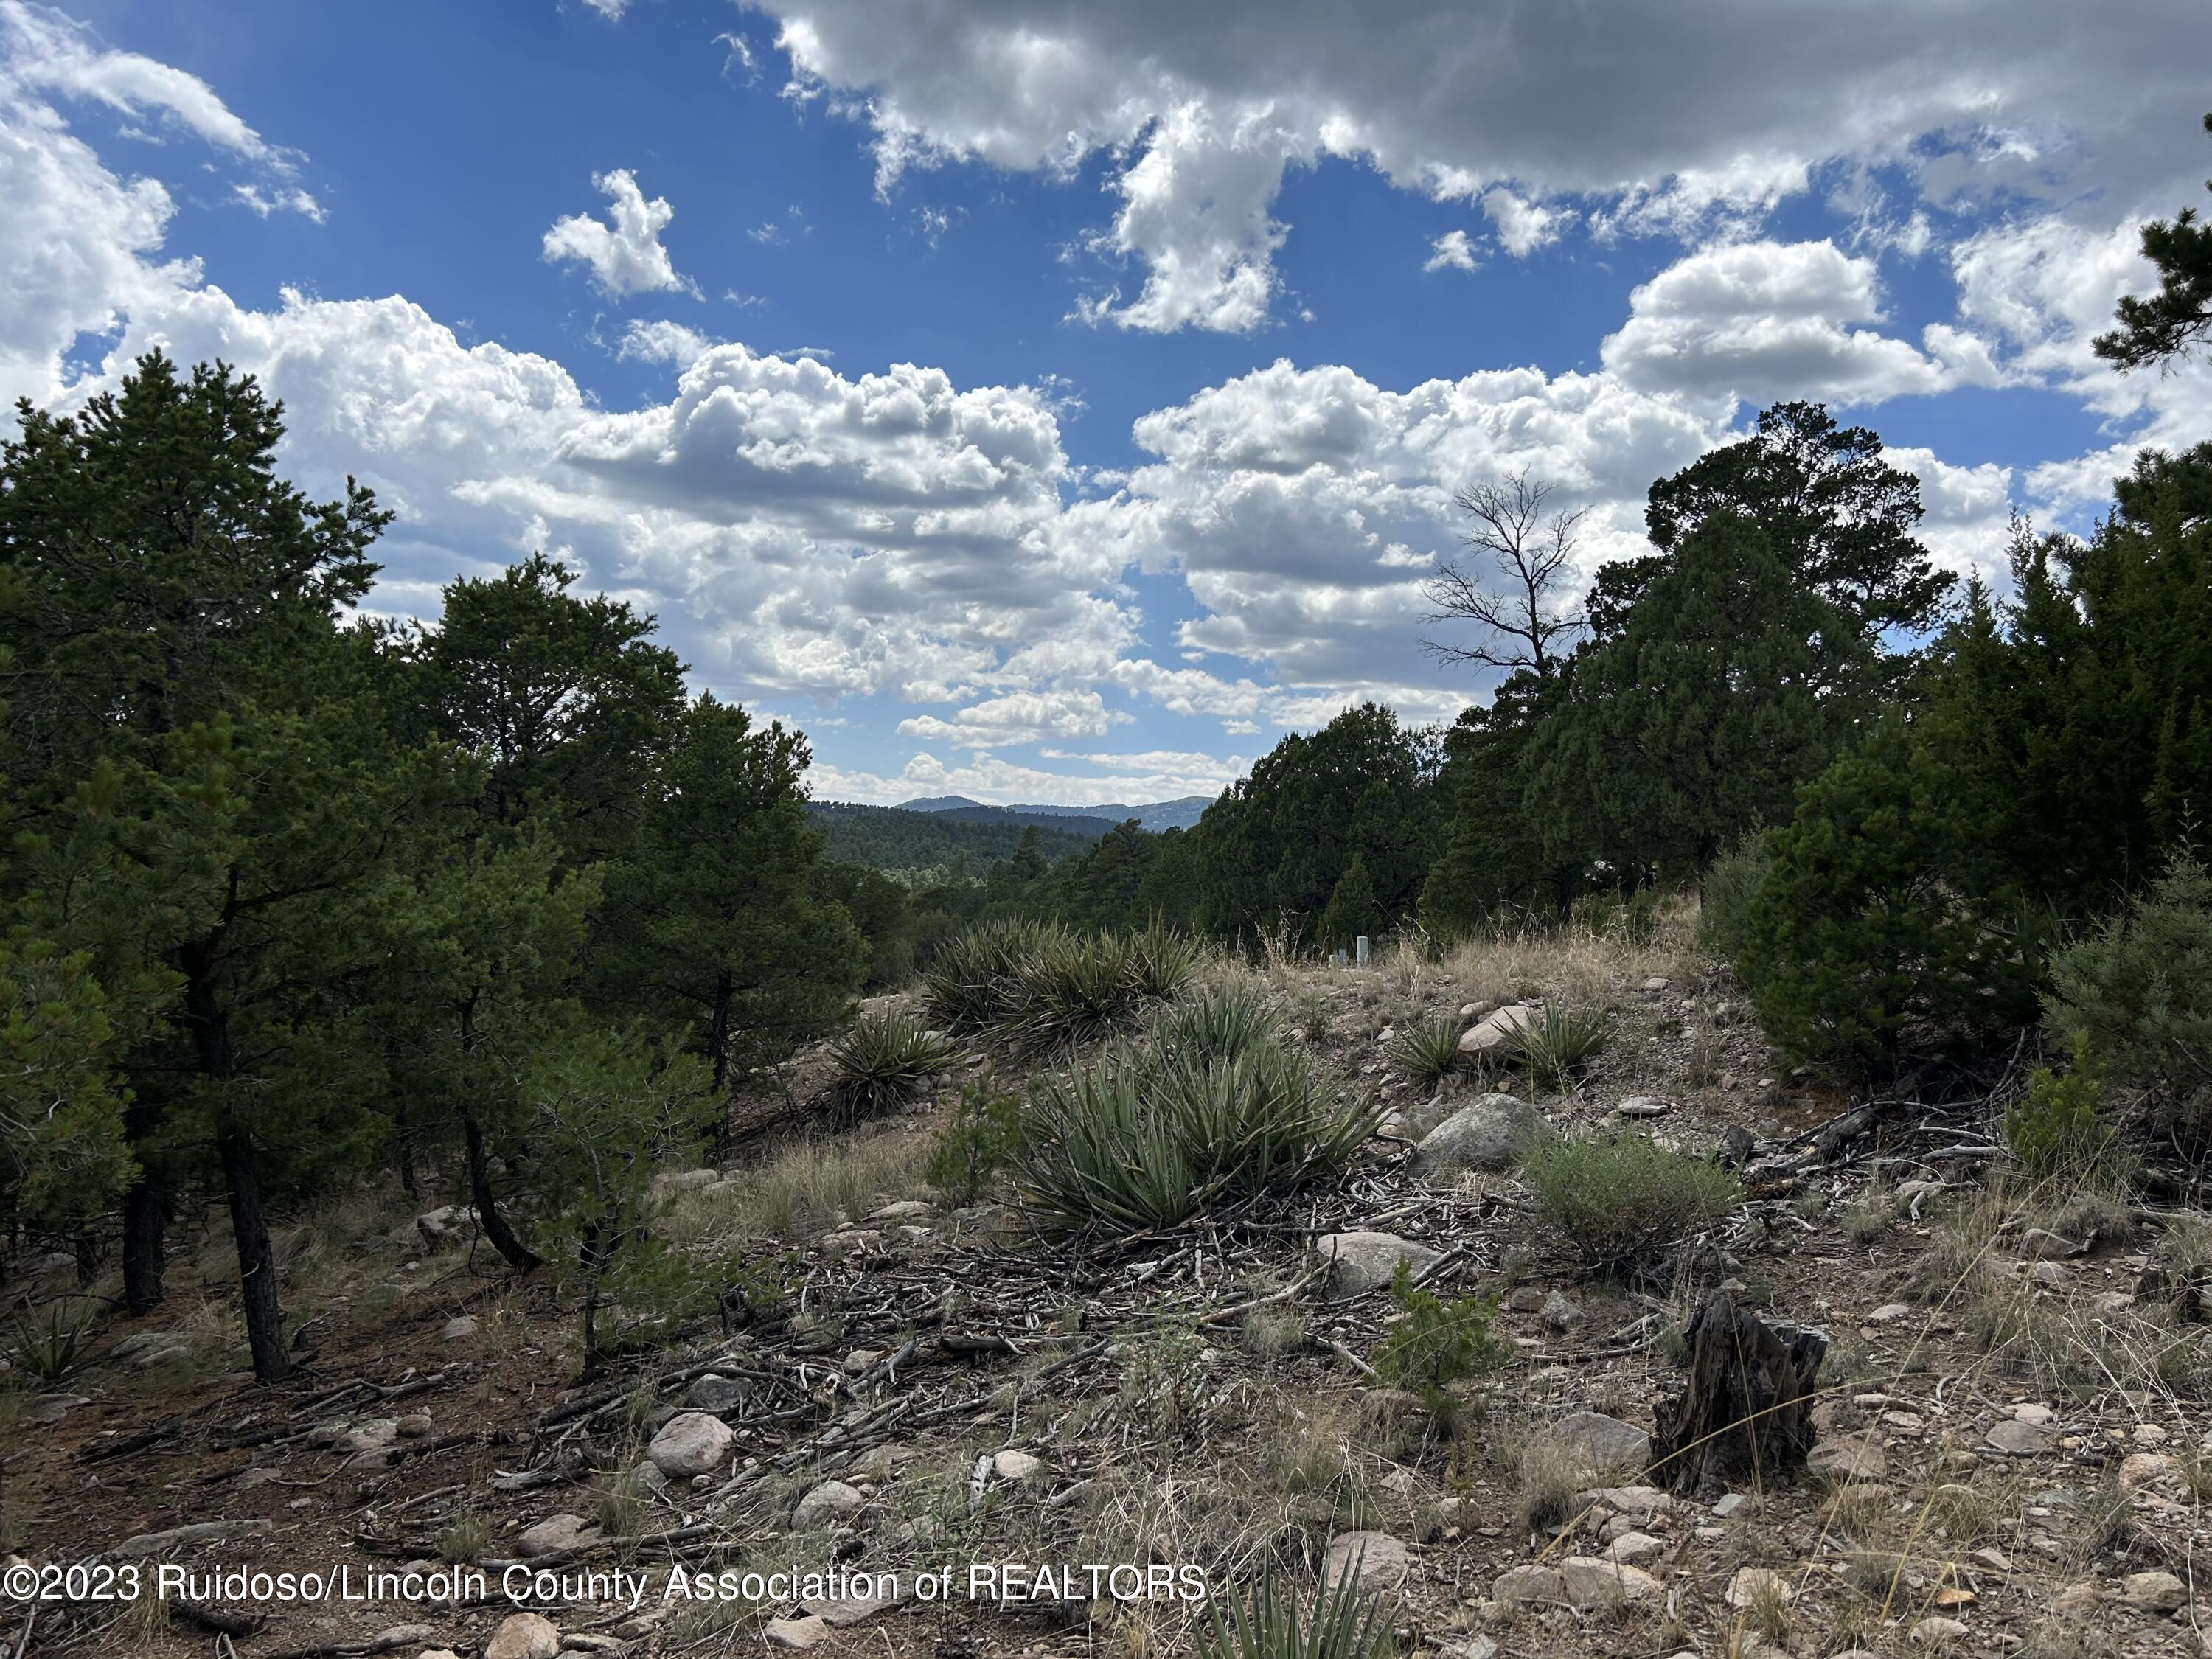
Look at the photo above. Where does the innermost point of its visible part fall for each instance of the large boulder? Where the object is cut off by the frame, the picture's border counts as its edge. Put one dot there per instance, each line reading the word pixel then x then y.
pixel 1367 1261
pixel 1493 1034
pixel 691 1444
pixel 1489 1133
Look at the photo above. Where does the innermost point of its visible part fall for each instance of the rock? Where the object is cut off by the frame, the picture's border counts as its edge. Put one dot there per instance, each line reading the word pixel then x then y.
pixel 843 1615
pixel 2049 1274
pixel 1588 1582
pixel 714 1394
pixel 1559 1312
pixel 907 1209
pixel 1529 1299
pixel 1850 1457
pixel 373 1434
pixel 2153 1592
pixel 1597 1443
pixel 51 1408
pixel 1493 1033
pixel 798 1633
pixel 1935 1632
pixel 2030 1411
pixel 1889 1313
pixel 1655 984
pixel 1365 1261
pixel 686 1180
pixel 1470 1647
pixel 689 1444
pixel 1471 1011
pixel 1380 1561
pixel 457 1330
pixel 861 1361
pixel 1730 1505
pixel 2143 1468
pixel 555 1532
pixel 1642 1502
pixel 443 1226
pixel 524 1636
pixel 1489 1133
pixel 2038 1245
pixel 832 1500
pixel 416 1425
pixel 1753 1585
pixel 2017 1439
pixel 1016 1465
pixel 437 1653
pixel 1645 1106
pixel 1522 1584
pixel 881 1463
pixel 181 1537
pixel 1631 1547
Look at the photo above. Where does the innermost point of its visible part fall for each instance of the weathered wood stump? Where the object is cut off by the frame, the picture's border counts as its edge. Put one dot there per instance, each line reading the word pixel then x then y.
pixel 1745 1412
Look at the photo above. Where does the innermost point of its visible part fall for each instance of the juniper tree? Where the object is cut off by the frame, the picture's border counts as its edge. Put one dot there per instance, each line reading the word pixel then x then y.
pixel 2175 320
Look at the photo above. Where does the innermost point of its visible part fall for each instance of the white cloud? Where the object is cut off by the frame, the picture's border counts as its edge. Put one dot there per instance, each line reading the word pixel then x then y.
pixel 1760 320
pixel 1451 251
pixel 1523 226
pixel 1020 718
pixel 47 52
pixel 293 200
pixel 988 778
pixel 662 342
pixel 1672 120
pixel 624 256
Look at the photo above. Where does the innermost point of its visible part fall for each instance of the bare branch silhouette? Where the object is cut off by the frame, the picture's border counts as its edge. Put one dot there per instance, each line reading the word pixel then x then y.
pixel 1525 625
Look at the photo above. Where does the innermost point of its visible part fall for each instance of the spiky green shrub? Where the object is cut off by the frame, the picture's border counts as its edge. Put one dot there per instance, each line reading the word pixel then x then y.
pixel 1070 990
pixel 1271 1621
pixel 49 1348
pixel 1165 962
pixel 1555 1044
pixel 1214 1106
pixel 1427 1050
pixel 982 1138
pixel 1616 1202
pixel 974 980
pixel 1435 1343
pixel 881 1062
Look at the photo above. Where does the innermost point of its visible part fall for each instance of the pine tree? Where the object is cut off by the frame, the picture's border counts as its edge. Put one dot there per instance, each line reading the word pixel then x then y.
pixel 1351 911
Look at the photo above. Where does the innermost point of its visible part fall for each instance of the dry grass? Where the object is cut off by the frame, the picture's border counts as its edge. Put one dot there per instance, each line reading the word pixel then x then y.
pixel 804 1189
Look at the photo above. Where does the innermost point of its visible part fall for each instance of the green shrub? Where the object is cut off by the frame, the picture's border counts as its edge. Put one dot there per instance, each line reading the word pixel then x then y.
pixel 983 1137
pixel 882 1061
pixel 1214 1106
pixel 2139 992
pixel 1165 962
pixel 1270 1622
pixel 1071 989
pixel 1617 1200
pixel 1436 1343
pixel 1554 1046
pixel 2058 1129
pixel 1729 886
pixel 1427 1050
pixel 975 978
pixel 49 1348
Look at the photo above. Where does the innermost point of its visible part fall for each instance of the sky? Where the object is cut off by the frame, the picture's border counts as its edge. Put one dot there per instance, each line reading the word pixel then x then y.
pixel 1060 402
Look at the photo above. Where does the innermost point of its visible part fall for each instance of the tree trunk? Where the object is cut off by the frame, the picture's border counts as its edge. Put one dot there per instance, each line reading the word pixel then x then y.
pixel 718 1051
pixel 88 1258
pixel 145 1241
pixel 519 1255
pixel 1744 1412
pixel 257 1262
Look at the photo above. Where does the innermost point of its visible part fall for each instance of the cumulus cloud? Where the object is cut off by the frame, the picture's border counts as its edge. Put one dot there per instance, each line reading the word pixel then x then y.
pixel 1670 120
pixel 990 778
pixel 1760 321
pixel 1451 251
pixel 1020 718
pixel 623 255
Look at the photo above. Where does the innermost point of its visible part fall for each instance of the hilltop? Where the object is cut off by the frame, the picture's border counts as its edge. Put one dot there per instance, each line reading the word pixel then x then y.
pixel 1181 813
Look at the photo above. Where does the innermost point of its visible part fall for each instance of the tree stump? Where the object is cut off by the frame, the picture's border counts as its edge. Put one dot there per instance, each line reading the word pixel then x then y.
pixel 1745 1412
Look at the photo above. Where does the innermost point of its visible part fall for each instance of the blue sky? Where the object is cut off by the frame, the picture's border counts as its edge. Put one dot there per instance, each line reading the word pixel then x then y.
pixel 1048 402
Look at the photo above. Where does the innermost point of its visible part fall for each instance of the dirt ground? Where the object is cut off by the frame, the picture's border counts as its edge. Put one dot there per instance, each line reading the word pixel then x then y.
pixel 2013 1454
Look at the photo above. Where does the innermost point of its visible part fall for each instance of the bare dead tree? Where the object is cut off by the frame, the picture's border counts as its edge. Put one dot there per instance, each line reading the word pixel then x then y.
pixel 1525 623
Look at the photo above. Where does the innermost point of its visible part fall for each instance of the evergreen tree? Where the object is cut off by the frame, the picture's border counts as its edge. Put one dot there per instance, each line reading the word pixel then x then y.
pixel 1493 863
pixel 1350 911
pixel 2177 318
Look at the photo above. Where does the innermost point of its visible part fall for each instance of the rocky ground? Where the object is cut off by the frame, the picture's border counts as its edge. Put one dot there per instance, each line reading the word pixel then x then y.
pixel 2012 1453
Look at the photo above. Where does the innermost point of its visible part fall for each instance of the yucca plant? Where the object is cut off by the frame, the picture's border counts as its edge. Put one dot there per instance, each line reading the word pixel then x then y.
pixel 1214 1106
pixel 882 1061
pixel 976 979
pixel 1073 989
pixel 1273 1622
pixel 1165 961
pixel 49 1349
pixel 1427 1051
pixel 1555 1044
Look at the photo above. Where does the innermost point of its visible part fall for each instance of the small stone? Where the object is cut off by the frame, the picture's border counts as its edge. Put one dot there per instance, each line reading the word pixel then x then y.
pixel 2017 1439
pixel 715 1394
pixel 457 1330
pixel 1730 1505
pixel 180 1538
pixel 2148 1434
pixel 796 1633
pixel 907 1209
pixel 1935 1631
pixel 374 1435
pixel 1559 1312
pixel 1850 1457
pixel 2049 1274
pixel 1633 1548
pixel 1642 1502
pixel 415 1425
pixel 1360 1261
pixel 1655 984
pixel 1489 1134
pixel 524 1636
pixel 555 1532
pixel 832 1500
pixel 1380 1561
pixel 1753 1585
pixel 1589 1582
pixel 2143 1468
pixel 1521 1584
pixel 689 1444
pixel 861 1361
pixel 1528 1298
pixel 2077 1599
pixel 2030 1411
pixel 2038 1245
pixel 1597 1443
pixel 1494 1032
pixel 1645 1106
pixel 1016 1465
pixel 2153 1592
pixel 1889 1313
pixel 51 1408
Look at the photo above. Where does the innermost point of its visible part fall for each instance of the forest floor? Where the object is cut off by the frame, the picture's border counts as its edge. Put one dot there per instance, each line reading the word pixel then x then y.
pixel 2013 1458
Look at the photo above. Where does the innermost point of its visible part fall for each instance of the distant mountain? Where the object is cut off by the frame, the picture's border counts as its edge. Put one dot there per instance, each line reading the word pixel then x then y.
pixel 891 838
pixel 1179 814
